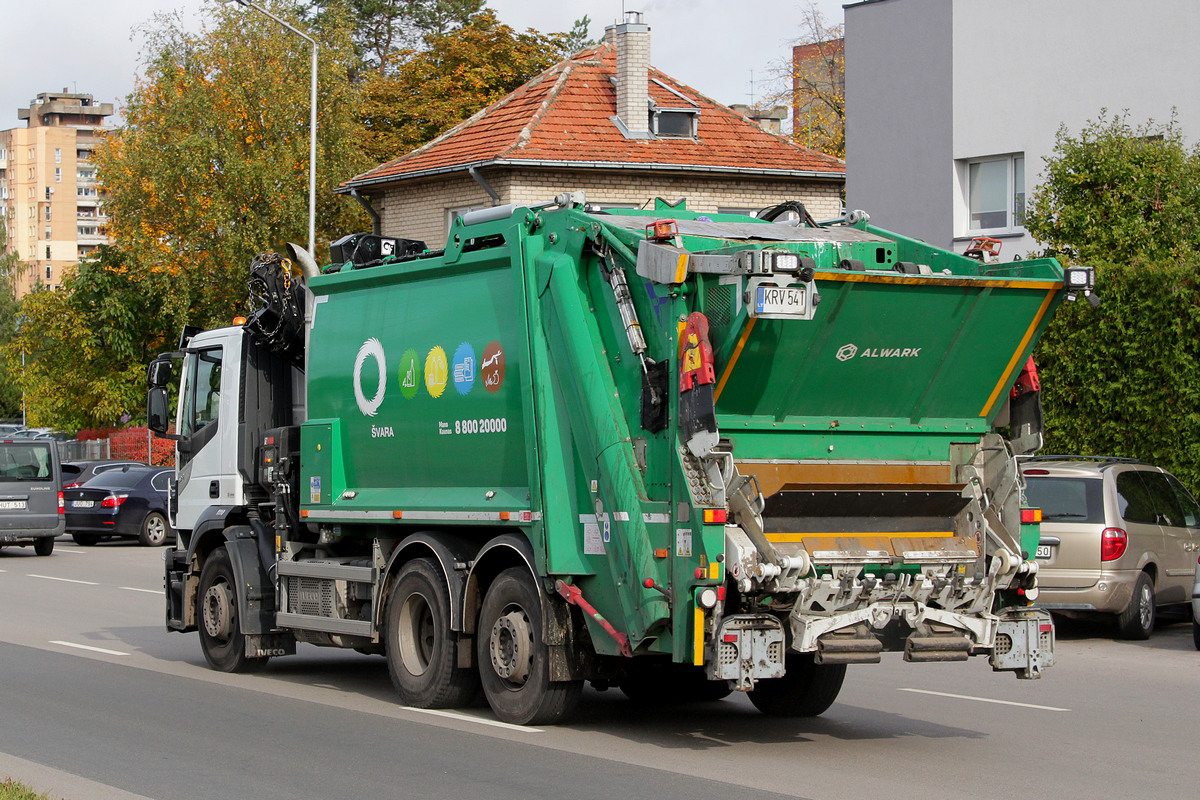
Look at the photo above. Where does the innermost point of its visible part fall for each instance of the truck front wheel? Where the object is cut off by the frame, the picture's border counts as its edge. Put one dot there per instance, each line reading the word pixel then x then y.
pixel 514 662
pixel 807 689
pixel 422 651
pixel 221 636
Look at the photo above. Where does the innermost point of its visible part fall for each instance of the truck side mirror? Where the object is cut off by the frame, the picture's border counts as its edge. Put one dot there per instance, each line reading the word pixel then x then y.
pixel 159 373
pixel 157 412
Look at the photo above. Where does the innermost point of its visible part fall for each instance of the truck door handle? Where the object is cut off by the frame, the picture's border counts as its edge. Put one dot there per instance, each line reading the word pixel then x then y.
pixel 214 489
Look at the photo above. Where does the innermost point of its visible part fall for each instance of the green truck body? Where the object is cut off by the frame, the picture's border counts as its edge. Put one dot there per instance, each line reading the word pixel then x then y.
pixel 723 453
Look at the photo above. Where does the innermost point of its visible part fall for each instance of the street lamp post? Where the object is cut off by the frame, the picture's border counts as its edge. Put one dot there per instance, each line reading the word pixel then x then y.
pixel 312 123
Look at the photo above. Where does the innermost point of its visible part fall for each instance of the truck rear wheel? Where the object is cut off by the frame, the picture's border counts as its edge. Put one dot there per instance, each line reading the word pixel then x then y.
pixel 807 689
pixel 514 662
pixel 221 636
pixel 422 651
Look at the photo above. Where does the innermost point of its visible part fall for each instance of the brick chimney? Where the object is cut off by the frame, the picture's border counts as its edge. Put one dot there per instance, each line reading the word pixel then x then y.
pixel 632 38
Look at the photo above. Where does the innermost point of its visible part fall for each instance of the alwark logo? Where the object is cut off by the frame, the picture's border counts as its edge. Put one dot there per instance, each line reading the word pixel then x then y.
pixel 849 351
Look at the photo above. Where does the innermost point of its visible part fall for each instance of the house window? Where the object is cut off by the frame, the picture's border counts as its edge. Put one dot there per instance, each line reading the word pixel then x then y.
pixel 47 231
pixel 996 194
pixel 58 155
pixel 58 174
pixel 454 213
pixel 47 213
pixel 47 266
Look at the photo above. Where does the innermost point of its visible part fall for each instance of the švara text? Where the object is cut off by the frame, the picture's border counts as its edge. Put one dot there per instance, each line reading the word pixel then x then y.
pixel 384 432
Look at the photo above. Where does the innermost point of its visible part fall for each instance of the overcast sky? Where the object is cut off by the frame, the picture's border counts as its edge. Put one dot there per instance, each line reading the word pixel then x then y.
pixel 712 45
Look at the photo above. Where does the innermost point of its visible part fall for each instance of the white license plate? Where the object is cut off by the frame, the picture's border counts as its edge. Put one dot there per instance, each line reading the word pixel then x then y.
pixel 12 505
pixel 83 503
pixel 787 300
pixel 1043 551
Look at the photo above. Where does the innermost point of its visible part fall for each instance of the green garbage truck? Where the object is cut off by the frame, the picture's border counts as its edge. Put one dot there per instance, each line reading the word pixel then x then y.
pixel 678 454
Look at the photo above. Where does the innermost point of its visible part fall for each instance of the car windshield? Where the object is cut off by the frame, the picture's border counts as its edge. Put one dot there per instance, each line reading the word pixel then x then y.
pixel 1066 499
pixel 25 462
pixel 117 479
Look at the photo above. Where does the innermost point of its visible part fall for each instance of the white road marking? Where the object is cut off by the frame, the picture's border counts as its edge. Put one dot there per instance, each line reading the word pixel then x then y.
pixel 64 580
pixel 985 700
pixel 93 649
pixel 147 591
pixel 468 718
pixel 61 549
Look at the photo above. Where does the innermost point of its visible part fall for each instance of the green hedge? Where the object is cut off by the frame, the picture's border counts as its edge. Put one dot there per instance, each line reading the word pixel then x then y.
pixel 1122 379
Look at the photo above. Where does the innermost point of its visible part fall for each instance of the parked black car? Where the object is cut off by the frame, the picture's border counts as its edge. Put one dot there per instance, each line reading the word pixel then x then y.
pixel 77 473
pixel 129 502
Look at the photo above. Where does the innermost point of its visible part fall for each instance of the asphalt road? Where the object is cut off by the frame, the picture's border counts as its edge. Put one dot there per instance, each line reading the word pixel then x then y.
pixel 99 702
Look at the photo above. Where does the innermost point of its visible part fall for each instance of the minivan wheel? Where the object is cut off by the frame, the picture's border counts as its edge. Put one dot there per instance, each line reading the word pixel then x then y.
pixel 1137 620
pixel 44 546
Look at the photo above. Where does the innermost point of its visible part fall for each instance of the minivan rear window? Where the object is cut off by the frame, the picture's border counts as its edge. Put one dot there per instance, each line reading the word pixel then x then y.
pixel 25 462
pixel 1066 499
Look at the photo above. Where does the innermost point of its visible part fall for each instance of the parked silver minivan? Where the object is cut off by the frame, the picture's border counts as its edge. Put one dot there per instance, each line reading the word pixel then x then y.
pixel 31 498
pixel 1118 537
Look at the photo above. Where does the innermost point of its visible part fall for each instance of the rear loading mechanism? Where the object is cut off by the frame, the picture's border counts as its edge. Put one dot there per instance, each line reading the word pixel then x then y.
pixel 678 454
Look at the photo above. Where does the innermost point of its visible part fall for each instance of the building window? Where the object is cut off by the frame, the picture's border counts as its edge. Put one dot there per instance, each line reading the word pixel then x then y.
pixel 47 231
pixel 454 213
pixel 58 155
pixel 996 194
pixel 47 213
pixel 47 266
pixel 58 174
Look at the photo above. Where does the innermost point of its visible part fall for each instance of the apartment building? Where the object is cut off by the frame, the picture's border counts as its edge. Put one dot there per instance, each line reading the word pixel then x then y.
pixel 50 201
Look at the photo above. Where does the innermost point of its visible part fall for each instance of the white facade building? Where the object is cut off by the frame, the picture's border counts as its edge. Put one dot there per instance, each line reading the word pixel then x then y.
pixel 953 105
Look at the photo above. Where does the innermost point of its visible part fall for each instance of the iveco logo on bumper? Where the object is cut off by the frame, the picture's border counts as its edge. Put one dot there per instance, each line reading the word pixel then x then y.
pixel 849 351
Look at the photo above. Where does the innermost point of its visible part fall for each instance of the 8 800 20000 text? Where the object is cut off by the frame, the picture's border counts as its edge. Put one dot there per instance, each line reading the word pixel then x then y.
pixel 488 425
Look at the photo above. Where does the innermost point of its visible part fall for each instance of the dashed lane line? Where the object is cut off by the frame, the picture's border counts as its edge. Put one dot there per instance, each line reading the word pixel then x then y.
pixel 89 647
pixel 64 580
pixel 147 591
pixel 470 718
pixel 984 700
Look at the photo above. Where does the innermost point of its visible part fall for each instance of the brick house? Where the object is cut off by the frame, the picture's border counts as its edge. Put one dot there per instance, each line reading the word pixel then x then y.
pixel 608 123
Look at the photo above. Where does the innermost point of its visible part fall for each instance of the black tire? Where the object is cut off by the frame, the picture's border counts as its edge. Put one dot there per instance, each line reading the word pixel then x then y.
pixel 807 689
pixel 43 546
pixel 85 539
pixel 221 636
pixel 665 683
pixel 154 529
pixel 514 663
pixel 1136 622
pixel 422 651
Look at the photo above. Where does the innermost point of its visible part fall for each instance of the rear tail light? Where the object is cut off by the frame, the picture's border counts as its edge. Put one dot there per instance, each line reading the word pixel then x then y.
pixel 114 500
pixel 1030 515
pixel 1112 544
pixel 62 507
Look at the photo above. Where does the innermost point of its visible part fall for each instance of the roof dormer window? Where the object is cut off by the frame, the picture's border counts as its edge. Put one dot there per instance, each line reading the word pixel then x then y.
pixel 674 123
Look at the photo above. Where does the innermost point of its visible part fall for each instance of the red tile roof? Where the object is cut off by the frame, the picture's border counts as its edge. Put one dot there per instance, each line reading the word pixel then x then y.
pixel 563 117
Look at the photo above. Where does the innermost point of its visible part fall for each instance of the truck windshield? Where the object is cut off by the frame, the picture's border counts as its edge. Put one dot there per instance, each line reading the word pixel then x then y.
pixel 25 462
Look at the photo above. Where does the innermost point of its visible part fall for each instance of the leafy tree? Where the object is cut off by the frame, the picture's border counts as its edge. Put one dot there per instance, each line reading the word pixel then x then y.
pixel 385 28
pixel 459 73
pixel 1116 192
pixel 1124 379
pixel 812 82
pixel 578 38
pixel 10 307
pixel 86 346
pixel 211 167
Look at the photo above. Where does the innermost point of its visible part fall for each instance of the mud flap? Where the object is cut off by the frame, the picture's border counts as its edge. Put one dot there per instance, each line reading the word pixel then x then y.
pixel 1024 642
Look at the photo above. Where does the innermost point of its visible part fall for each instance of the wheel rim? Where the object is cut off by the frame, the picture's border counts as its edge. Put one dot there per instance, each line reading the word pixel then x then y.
pixel 417 634
pixel 156 529
pixel 218 612
pixel 511 646
pixel 1146 607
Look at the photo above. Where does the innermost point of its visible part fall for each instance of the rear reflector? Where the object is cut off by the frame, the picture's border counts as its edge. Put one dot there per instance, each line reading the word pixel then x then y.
pixel 1113 542
pixel 714 516
pixel 1030 515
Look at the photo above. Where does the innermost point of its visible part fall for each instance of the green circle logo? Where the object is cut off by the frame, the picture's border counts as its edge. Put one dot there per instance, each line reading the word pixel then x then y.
pixel 409 382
